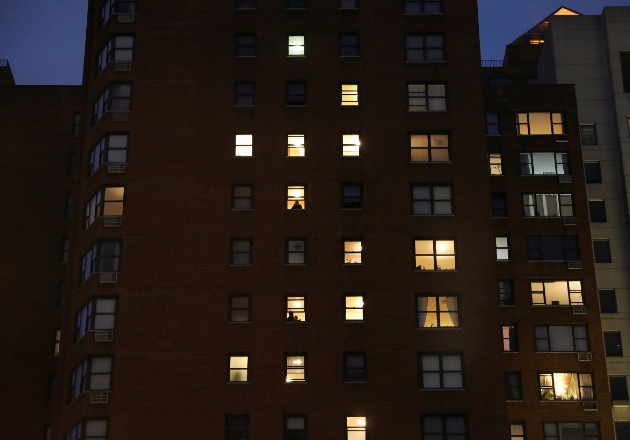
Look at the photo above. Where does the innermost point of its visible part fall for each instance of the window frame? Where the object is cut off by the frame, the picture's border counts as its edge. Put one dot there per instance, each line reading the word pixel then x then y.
pixel 427 94
pixel 237 369
pixel 355 3
pixel 438 315
pixel 247 200
pixel 524 127
pixel 234 253
pixel 613 344
pixel 109 52
pixel 443 375
pixel 235 309
pixel 506 293
pixel 245 45
pixel 543 205
pixel 235 429
pixel 242 4
pixel 97 259
pixel 115 97
pixel 498 205
pixel 349 254
pixel 588 134
pixel 296 48
pixel 436 257
pixel 297 96
pixel 573 297
pixel 513 386
pixel 528 160
pixel 509 336
pixel 493 124
pixel 103 149
pixel 294 310
pixel 245 94
pixel 289 252
pixel 593 171
pixel 432 201
pixel 355 374
pixel 552 429
pixel 495 163
pixel 349 45
pixel 243 144
pixel 445 432
pixel 87 316
pixel 351 196
pixel 618 385
pixel 299 370
pixel 293 433
pixel 546 247
pixel 348 148
pixel 545 334
pixel 83 375
pixel 597 211
pixel 349 94
pixel 416 145
pixel 607 305
pixel 425 50
pixel 350 308
pixel 602 251
pixel 502 247
pixel 296 197
pixel 548 392
pixel 423 7
pixel 293 147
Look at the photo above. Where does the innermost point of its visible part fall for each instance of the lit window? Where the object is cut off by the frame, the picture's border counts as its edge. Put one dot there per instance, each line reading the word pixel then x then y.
pixel 423 6
pixel 116 97
pixel 117 49
pixel 510 340
pixel 513 389
pixel 552 247
pixel 295 427
pixel 98 314
pixel 57 342
pixel 354 307
pixel 237 427
pixel 352 252
pixel 244 93
pixel 245 45
pixel 296 4
pixel 239 310
pixel 588 134
pixel 103 256
pixel 506 292
pixel 242 196
pixel 296 46
pixel 571 430
pixel 547 205
pixel 502 248
pixel 492 124
pixel 295 197
pixel 443 427
pixel 429 147
pixel 296 308
pixel 612 344
pixel 296 251
pixel 607 301
pixel 296 93
pixel 349 95
pixel 592 172
pixel 495 162
pixel 348 4
pixel 295 145
pixel 424 48
pixel 601 251
pixel 434 254
pixel 351 144
pixel 431 200
pixel 348 45
pixel 441 371
pixel 438 311
pixel 565 386
pixel 108 202
pixel 537 123
pixel 241 252
pixel 244 145
pixel 561 338
pixel 351 196
pixel 556 293
pixel 111 149
pixel 618 388
pixel 498 203
pixel 597 211
pixel 237 370
pixel 356 428
pixel 355 367
pixel 92 374
pixel 245 4
pixel 296 368
pixel 93 429
pixel 112 7
pixel 517 431
pixel 546 163
pixel 426 97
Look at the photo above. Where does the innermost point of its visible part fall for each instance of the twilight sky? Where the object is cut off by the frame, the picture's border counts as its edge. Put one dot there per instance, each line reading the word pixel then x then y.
pixel 43 39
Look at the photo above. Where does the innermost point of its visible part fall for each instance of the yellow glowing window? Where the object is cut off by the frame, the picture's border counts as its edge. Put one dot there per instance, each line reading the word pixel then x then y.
pixel 113 203
pixel 349 95
pixel 438 311
pixel 354 308
pixel 429 147
pixel 238 368
pixel 296 308
pixel 352 252
pixel 296 45
pixel 536 40
pixel 435 254
pixel 351 145
pixel 556 293
pixel 566 386
pixel 356 428
pixel 496 164
pixel 296 368
pixel 295 144
pixel 539 123
pixel 244 145
pixel 295 197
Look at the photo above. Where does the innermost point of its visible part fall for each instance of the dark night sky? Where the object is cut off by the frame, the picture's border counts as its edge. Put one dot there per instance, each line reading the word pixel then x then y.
pixel 43 39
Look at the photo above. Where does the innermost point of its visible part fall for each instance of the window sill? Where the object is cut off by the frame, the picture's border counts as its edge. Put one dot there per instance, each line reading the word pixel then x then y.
pixel 237 383
pixel 427 111
pixel 239 322
pixel 438 328
pixel 349 56
pixel 355 382
pixel 244 105
pixel 354 321
pixel 435 270
pixel 411 14
pixel 295 264
pixel 352 264
pixel 244 56
pixel 296 56
pixel 242 209
pixel 241 265
pixel 433 215
pixel 424 62
pixel 295 105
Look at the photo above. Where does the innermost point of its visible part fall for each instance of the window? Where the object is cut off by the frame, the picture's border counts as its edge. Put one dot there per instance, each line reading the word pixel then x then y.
pixel 296 4
pixel 546 163
pixel 556 292
pixel 236 427
pixel 348 4
pixel 245 45
pixel 552 247
pixel 61 292
pixel 612 343
pixel 537 123
pixel 517 431
pixel 424 48
pixel 351 144
pixel 624 58
pixel 443 427
pixel 352 251
pixel 295 197
pixel 349 94
pixel 72 164
pixel 565 386
pixel 498 203
pixel 356 428
pixel 106 202
pixel 434 254
pixel 93 374
pixel 513 390
pixel 495 163
pixel 547 205
pixel 295 145
pixel 115 98
pixel 506 292
pixel 98 314
pixel 111 7
pixel 57 342
pixel 245 4
pixel 438 311
pixel 354 305
pixel 502 247
pixel 112 149
pixel 65 249
pixel 423 6
pixel 244 145
pixel 117 49
pixel 296 93
pixel 296 308
pixel 597 211
pixel 588 134
pixel 93 429
pixel 441 371
pixel 607 301
pixel 103 256
pixel 561 338
pixel 348 45
pixel 571 430
pixel 67 212
pixel 601 249
pixel 431 200
pixel 296 251
pixel 351 196
pixel 492 124
pixel 296 46
pixel 240 308
pixel 618 388
pixel 241 252
pixel 510 339
pixel 244 93
pixel 295 427
pixel 296 368
pixel 426 97
pixel 429 147
pixel 592 172
pixel 242 196
pixel 355 367
pixel 238 368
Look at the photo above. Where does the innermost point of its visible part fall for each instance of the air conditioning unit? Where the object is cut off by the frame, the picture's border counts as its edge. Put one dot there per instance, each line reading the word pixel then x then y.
pixel 574 265
pixel 103 335
pixel 565 178
pixel 108 277
pixel 126 18
pixel 112 221
pixel 120 116
pixel 561 138
pixel 589 405
pixel 99 396
pixel 122 66
pixel 585 357
pixel 116 168
pixel 569 221
pixel 579 310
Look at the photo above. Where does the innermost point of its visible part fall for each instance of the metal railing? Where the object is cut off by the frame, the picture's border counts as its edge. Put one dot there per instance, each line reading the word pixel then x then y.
pixel 491 63
pixel 4 62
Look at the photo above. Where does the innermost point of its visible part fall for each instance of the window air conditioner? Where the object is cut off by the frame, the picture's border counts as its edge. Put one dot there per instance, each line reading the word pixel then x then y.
pixel 589 405
pixel 569 221
pixel 112 221
pixel 574 265
pixel 116 168
pixel 103 335
pixel 108 277
pixel 565 178
pixel 120 116
pixel 99 396
pixel 579 310
pixel 122 66
pixel 585 357
pixel 126 18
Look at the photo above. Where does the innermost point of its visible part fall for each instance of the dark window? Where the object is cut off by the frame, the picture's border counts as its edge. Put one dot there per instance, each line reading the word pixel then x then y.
pixel 355 367
pixel 65 249
pixel 506 292
pixel 244 93
pixel 72 164
pixel 295 427
pixel 240 308
pixel 348 4
pixel 443 371
pixel 351 196
pixel 237 427
pixel 588 134
pixel 547 205
pixel 424 48
pixel 426 97
pixel 597 210
pixel 111 149
pixel 492 124
pixel 98 315
pixel 242 196
pixel 348 45
pixel 509 337
pixel 561 338
pixel 593 172
pixel 103 256
pixel 296 251
pixel 245 4
pixel 296 4
pixel 296 93
pixel 607 301
pixel 432 200
pixel 624 57
pixel 601 250
pixel 552 247
pixel 443 427
pixel 116 97
pixel 499 205
pixel 500 79
pixel 571 430
pixel 618 388
pixel 612 342
pixel 245 45
pixel 241 251
pixel 622 430
pixel 423 6
pixel 513 386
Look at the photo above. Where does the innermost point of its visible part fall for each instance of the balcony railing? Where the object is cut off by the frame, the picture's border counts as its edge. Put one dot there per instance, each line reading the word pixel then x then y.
pixel 491 63
pixel 4 62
